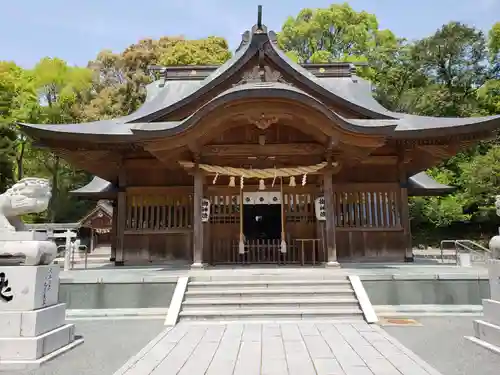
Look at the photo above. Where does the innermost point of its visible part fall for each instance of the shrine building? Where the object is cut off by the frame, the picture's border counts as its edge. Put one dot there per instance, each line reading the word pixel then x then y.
pixel 261 160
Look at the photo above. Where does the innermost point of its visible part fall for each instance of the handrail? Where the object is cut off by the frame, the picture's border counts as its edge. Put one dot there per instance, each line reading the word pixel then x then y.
pixel 462 243
pixel 465 245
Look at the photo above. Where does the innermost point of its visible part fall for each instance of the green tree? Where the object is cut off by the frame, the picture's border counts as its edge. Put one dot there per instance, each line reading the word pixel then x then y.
pixel 59 88
pixel 18 102
pixel 453 72
pixel 120 78
pixel 455 60
pixel 7 133
pixel 336 33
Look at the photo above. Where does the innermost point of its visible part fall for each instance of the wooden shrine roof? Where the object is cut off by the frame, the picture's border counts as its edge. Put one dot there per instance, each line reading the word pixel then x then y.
pixel 168 108
pixel 103 206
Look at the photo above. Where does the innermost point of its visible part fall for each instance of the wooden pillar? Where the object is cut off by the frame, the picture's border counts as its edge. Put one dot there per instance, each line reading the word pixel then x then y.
pixel 405 210
pixel 197 223
pixel 331 248
pixel 114 220
pixel 121 216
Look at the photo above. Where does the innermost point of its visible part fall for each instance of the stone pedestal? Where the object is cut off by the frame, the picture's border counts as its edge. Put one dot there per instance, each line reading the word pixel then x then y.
pixel 33 327
pixel 27 248
pixel 487 330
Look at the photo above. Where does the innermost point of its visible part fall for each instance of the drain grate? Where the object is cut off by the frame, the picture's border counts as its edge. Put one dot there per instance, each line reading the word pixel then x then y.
pixel 399 322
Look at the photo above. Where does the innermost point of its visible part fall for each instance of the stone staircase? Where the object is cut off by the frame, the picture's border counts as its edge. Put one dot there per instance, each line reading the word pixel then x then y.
pixel 270 298
pixel 487 329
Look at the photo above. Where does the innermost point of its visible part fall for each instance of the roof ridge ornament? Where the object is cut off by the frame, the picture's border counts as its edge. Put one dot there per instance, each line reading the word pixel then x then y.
pixel 259 17
pixel 259 28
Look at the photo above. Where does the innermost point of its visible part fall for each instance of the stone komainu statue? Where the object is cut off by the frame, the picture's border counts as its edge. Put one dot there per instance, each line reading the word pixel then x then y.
pixel 17 245
pixel 30 195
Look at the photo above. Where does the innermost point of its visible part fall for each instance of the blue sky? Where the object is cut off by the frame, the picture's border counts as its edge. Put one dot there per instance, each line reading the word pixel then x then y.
pixel 77 31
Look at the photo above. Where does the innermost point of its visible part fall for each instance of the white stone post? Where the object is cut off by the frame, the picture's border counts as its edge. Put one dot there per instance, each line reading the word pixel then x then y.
pixel 67 253
pixel 495 241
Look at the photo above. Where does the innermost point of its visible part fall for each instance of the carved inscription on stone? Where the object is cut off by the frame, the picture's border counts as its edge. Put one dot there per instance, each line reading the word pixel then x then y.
pixel 5 290
pixel 47 286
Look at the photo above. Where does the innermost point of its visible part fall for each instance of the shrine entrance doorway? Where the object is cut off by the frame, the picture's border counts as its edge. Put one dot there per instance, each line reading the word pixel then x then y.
pixel 265 216
pixel 262 222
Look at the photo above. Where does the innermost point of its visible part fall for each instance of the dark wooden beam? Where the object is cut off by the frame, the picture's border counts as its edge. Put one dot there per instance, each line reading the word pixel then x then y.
pixel 149 163
pixel 263 150
pixel 198 224
pixel 381 160
pixel 121 218
pixel 404 205
pixel 331 246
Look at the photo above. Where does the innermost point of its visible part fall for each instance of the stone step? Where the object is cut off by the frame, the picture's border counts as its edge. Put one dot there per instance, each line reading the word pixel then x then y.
pixel 319 299
pixel 274 275
pixel 491 311
pixel 487 332
pixel 268 292
pixel 263 284
pixel 268 304
pixel 285 314
pixel 485 345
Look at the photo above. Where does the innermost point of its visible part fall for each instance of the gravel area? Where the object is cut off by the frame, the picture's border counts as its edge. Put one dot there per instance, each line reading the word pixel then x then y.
pixel 108 345
pixel 440 342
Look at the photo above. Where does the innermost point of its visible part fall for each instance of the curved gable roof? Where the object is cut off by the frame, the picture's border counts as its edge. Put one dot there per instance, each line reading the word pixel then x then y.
pixel 351 92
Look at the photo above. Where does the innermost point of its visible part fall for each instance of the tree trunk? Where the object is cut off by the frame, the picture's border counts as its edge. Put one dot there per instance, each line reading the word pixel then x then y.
pixel 20 161
pixel 55 190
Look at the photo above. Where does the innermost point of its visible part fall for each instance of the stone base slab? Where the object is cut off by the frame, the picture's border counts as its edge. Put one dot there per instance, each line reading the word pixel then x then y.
pixel 31 287
pixel 198 266
pixel 17 365
pixel 33 348
pixel 32 323
pixel 332 264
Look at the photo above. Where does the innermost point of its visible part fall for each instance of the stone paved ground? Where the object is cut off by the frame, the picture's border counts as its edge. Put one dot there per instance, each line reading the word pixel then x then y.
pixel 440 341
pixel 108 345
pixel 302 348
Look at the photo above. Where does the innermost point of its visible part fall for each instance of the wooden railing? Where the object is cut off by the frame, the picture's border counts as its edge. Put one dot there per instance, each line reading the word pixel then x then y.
pixel 368 207
pixel 148 213
pixel 299 252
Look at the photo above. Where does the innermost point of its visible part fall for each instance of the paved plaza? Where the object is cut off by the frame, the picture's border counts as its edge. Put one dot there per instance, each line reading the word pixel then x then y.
pixel 109 343
pixel 300 348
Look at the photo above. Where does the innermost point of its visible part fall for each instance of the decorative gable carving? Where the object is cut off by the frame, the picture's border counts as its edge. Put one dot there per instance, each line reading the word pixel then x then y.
pixel 259 73
pixel 263 121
